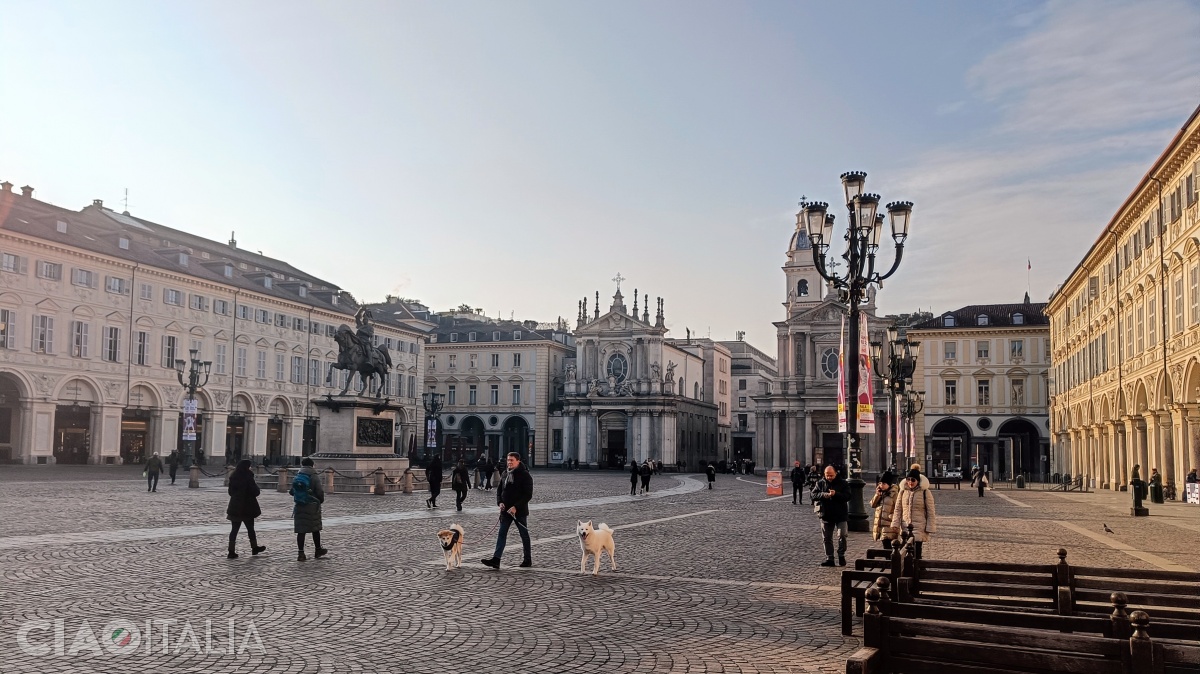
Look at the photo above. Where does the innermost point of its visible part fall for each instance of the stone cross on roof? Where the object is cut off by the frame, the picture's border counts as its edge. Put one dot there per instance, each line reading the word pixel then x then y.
pixel 618 278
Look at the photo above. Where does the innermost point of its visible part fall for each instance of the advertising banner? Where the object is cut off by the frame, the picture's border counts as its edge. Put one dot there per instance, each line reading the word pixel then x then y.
pixel 774 483
pixel 841 393
pixel 431 433
pixel 189 418
pixel 866 408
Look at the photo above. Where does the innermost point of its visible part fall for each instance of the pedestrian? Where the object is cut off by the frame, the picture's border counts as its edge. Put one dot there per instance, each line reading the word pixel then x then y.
pixel 243 507
pixel 711 471
pixel 1192 478
pixel 173 464
pixel 633 478
pixel 154 466
pixel 645 473
pixel 915 508
pixel 460 481
pixel 489 472
pixel 513 496
pixel 978 479
pixel 884 503
pixel 433 473
pixel 831 497
pixel 307 497
pixel 480 462
pixel 798 477
pixel 1156 486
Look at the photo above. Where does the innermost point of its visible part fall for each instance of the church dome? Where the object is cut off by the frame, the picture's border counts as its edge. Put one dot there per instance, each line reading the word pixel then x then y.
pixel 800 240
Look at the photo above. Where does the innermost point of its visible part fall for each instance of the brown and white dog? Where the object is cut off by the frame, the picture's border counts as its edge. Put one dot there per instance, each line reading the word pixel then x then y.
pixel 594 541
pixel 452 541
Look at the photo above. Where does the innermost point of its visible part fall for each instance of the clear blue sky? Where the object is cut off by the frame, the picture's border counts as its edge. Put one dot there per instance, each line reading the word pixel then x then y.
pixel 517 155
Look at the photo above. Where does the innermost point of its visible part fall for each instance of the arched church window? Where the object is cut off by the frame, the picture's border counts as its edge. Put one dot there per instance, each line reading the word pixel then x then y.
pixel 696 390
pixel 802 288
pixel 681 387
pixel 829 362
pixel 618 367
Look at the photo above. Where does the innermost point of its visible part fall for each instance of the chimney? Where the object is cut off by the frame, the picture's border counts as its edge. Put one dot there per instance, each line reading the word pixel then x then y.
pixel 27 191
pixel 232 241
pixel 6 186
pixel 98 203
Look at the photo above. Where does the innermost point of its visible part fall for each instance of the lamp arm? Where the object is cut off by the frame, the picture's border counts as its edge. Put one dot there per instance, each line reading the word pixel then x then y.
pixel 895 263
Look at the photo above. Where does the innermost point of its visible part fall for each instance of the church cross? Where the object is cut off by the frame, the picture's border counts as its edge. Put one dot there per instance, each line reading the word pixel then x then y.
pixel 618 278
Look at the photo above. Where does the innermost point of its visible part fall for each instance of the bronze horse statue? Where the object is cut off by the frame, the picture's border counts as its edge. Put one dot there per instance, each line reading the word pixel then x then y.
pixel 364 359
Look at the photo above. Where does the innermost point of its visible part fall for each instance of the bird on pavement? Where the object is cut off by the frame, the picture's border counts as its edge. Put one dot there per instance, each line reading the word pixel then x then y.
pixel 1106 529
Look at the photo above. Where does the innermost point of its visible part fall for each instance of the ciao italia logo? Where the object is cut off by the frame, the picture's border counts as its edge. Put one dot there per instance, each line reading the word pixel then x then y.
pixel 155 636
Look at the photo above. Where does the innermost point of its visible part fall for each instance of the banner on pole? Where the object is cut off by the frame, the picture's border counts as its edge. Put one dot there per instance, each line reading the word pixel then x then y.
pixel 866 409
pixel 190 408
pixel 841 393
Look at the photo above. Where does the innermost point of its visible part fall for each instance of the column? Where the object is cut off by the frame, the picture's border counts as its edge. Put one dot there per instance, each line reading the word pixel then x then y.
pixel 1166 447
pixel 1193 445
pixel 215 428
pixel 106 434
pixel 37 432
pixel 570 436
pixel 256 443
pixel 168 430
pixel 1152 445
pixel 810 438
pixel 1114 453
pixel 293 438
pixel 1179 447
pixel 669 450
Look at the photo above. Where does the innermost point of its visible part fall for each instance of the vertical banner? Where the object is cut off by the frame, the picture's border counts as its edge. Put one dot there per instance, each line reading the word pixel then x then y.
pixel 898 424
pixel 189 418
pixel 774 483
pixel 911 440
pixel 866 408
pixel 431 433
pixel 842 378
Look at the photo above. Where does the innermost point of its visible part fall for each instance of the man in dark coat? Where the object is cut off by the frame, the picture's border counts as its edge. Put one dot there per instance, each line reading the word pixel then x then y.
pixel 711 470
pixel 513 496
pixel 153 468
pixel 243 507
pixel 633 478
pixel 832 494
pixel 173 464
pixel 460 480
pixel 799 475
pixel 646 471
pixel 433 473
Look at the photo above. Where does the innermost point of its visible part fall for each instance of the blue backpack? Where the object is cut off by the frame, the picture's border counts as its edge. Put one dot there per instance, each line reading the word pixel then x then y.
pixel 302 489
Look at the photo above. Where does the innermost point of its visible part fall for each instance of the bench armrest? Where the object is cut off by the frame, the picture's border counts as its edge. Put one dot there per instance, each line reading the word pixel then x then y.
pixel 865 661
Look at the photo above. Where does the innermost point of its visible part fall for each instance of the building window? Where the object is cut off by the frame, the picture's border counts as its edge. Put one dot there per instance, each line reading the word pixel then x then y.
pixel 451 395
pixel 802 288
pixel 1195 291
pixel 43 334
pixel 240 366
pixel 116 285
pixel 471 336
pixel 982 349
pixel 1152 322
pixel 1017 349
pixel 281 320
pixel 221 307
pixel 829 365
pixel 170 351
pixel 474 360
pixel 141 353
pixel 495 360
pixel 8 338
pixel 1018 319
pixel 471 394
pixel 741 384
pixel 280 367
pixel 297 369
pixel 453 361
pixel 516 361
pixel 146 291
pixel 49 270
pixel 494 395
pixel 79 339
pixel 243 312
pixel 951 389
pixel 741 401
pixel 314 371
pixel 984 391
pixel 260 364
pixel 112 345
pixel 948 321
pixel 981 319
pixel 262 316
pixel 516 334
pixel 1179 304
pixel 219 363
pixel 454 336
pixel 951 350
pixel 516 398
pixel 10 263
pixel 197 302
pixel 174 297
pixel 1018 392
pixel 83 277
pixel 432 363
pixel 496 336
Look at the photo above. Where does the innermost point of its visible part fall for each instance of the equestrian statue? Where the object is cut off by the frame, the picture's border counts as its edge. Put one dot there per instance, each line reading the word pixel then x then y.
pixel 358 354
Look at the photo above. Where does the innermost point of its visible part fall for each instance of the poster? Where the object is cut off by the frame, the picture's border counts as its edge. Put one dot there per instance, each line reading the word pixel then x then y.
pixel 866 408
pixel 189 419
pixel 841 393
pixel 431 433
pixel 1192 492
pixel 774 483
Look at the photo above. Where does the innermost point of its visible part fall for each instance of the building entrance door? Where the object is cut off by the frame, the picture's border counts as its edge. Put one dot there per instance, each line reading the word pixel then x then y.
pixel 613 453
pixel 72 433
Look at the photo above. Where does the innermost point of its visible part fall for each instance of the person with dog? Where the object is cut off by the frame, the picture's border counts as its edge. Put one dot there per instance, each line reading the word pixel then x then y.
pixel 646 471
pixel 307 497
pixel 884 503
pixel 799 475
pixel 433 473
pixel 633 478
pixel 513 496
pixel 243 507
pixel 915 508
pixel 832 498
pixel 460 481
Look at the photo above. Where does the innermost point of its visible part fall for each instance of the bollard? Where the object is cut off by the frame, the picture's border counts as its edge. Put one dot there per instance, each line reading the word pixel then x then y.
pixel 407 485
pixel 228 472
pixel 284 482
pixel 380 482
pixel 328 480
pixel 1020 482
pixel 194 477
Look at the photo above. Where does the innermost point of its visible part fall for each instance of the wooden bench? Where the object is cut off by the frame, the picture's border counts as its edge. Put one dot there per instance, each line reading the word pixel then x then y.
pixel 878 563
pixel 926 638
pixel 937 482
pixel 1029 587
pixel 1170 596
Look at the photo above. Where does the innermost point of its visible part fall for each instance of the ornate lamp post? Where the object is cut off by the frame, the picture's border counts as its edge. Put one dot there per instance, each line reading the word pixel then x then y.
pixel 862 243
pixel 895 368
pixel 433 404
pixel 196 369
pixel 910 406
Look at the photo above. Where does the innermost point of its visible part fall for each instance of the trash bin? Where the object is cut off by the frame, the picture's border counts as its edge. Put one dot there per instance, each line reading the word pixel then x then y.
pixel 1020 482
pixel 1156 492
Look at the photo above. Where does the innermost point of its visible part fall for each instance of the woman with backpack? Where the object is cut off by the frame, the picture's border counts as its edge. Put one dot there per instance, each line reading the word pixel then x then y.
pixel 460 480
pixel 307 496
pixel 243 507
pixel 646 472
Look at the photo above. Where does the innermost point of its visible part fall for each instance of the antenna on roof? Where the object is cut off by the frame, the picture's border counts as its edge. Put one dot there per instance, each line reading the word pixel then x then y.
pixel 232 240
pixel 126 201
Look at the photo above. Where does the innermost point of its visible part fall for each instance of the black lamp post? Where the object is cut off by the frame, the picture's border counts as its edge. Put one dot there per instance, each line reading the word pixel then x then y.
pixel 433 404
pixel 862 243
pixel 196 369
pixel 895 368
pixel 911 405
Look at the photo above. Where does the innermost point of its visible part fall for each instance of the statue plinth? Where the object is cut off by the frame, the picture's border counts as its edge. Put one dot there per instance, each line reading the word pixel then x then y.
pixel 357 434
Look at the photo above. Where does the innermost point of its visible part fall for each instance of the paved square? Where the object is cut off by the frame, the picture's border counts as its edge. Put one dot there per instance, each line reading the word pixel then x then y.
pixel 708 581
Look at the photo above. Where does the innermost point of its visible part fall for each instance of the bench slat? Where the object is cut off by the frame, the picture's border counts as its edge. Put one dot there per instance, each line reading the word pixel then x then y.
pixel 930 587
pixel 1128 585
pixel 996 577
pixel 1138 574
pixel 1017 637
pixel 1137 599
pixel 1011 658
pixel 933 564
pixel 924 666
pixel 985 616
pixel 1157 615
pixel 965 601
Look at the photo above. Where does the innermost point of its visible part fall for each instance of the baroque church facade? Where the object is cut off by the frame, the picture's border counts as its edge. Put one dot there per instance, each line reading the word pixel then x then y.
pixel 630 394
pixel 796 420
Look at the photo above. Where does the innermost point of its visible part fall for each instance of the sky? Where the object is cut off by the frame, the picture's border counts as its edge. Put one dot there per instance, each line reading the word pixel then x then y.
pixel 515 156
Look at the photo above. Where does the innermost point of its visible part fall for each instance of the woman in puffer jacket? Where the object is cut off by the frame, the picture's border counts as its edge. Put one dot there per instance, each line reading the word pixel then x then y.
pixel 884 503
pixel 915 508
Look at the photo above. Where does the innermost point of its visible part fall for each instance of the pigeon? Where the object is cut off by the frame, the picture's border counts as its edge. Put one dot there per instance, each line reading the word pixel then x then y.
pixel 1106 529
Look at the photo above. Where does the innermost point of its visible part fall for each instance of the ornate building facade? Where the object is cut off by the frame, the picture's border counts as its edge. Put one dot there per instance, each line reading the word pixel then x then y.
pixel 1125 333
pixel 96 306
pixel 797 419
pixel 631 394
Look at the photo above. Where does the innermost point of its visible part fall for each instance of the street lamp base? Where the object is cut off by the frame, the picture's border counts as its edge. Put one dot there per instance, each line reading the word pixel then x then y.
pixel 858 520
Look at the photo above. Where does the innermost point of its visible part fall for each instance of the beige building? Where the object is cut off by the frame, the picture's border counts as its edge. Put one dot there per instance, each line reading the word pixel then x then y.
pixel 96 307
pixel 1125 332
pixel 752 373
pixel 985 373
pixel 503 385
pixel 715 383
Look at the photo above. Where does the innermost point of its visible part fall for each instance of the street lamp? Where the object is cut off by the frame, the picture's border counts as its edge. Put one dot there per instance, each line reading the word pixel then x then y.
pixel 196 369
pixel 910 406
pixel 862 244
pixel 895 367
pixel 433 404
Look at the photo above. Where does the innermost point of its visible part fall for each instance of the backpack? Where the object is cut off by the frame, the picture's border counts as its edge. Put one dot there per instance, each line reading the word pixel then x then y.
pixel 302 489
pixel 645 470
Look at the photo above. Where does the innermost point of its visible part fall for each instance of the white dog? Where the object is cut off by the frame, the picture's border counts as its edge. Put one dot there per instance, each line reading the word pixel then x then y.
pixel 452 541
pixel 594 541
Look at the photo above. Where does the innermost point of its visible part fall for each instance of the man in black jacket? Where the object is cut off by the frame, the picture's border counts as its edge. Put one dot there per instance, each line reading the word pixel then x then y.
pixel 513 495
pixel 832 494
pixel 799 475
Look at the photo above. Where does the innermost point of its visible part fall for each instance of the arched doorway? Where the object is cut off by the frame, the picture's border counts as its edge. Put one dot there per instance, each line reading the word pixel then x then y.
pixel 136 422
pixel 1021 449
pixel 471 438
pixel 10 418
pixel 516 437
pixel 235 429
pixel 950 447
pixel 277 411
pixel 613 448
pixel 73 422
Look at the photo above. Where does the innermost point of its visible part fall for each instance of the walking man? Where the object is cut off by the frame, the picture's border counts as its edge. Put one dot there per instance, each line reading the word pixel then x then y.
pixel 798 477
pixel 173 464
pixel 513 495
pixel 711 471
pixel 832 494
pixel 153 468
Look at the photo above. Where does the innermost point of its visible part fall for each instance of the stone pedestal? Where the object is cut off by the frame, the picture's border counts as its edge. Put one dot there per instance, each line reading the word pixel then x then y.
pixel 356 435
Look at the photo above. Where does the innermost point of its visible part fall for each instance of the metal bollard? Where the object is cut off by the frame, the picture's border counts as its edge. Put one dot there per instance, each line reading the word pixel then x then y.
pixel 194 477
pixel 228 472
pixel 328 480
pixel 407 485
pixel 380 482
pixel 284 482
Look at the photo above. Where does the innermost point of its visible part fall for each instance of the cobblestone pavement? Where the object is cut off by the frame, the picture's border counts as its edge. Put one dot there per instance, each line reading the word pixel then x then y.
pixel 707 581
